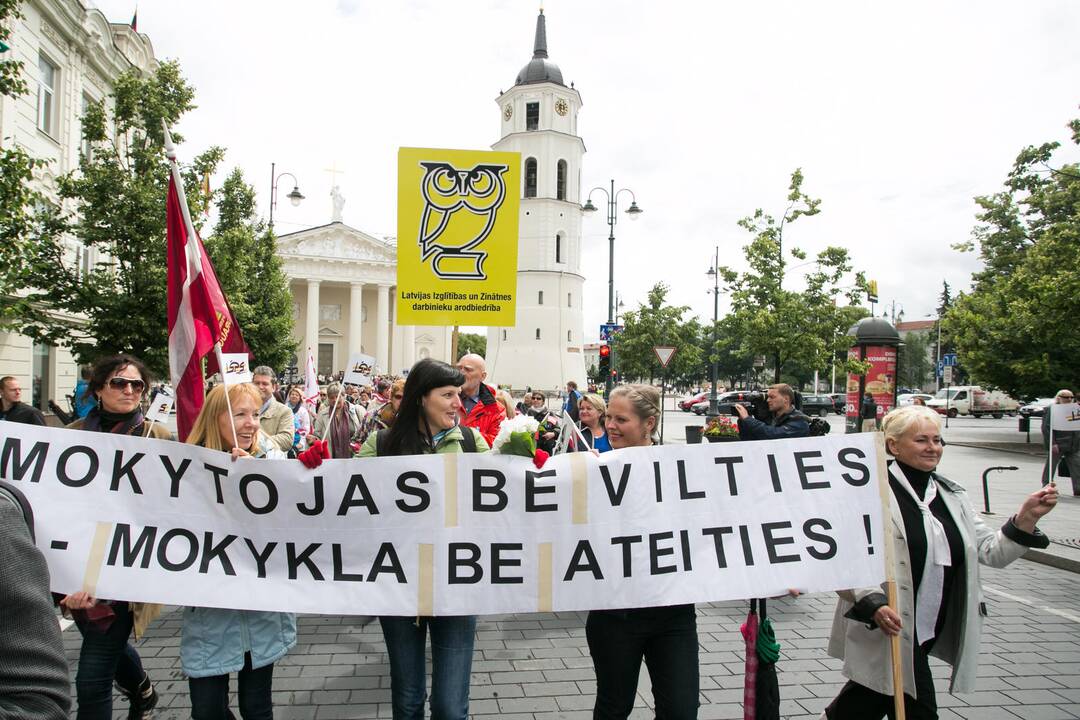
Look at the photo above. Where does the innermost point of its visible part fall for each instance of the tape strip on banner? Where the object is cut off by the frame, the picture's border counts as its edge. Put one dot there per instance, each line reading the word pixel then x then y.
pixel 450 489
pixel 543 580
pixel 97 556
pixel 579 481
pixel 425 586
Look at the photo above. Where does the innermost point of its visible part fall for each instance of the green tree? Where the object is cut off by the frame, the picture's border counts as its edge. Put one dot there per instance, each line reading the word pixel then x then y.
pixel 1014 330
pixel 472 343
pixel 790 328
pixel 915 364
pixel 242 249
pixel 657 323
pixel 116 204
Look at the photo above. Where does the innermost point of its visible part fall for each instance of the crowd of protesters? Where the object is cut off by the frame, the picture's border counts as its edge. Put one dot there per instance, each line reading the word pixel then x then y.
pixel 439 408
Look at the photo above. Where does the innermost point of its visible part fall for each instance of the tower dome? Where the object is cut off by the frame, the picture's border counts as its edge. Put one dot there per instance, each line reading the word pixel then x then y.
pixel 540 69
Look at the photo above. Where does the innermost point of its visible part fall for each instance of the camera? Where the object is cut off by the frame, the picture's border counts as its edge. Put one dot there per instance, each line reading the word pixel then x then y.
pixel 753 401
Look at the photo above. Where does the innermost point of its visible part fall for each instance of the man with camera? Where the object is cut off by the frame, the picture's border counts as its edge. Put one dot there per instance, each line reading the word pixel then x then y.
pixel 786 421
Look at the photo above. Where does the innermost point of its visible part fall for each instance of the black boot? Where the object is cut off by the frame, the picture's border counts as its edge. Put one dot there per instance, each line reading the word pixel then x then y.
pixel 142 701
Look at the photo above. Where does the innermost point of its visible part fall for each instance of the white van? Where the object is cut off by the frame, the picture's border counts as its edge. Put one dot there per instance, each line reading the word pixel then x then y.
pixel 973 400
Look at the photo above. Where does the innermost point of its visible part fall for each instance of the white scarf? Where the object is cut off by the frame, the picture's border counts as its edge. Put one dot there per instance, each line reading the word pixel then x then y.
pixel 938 557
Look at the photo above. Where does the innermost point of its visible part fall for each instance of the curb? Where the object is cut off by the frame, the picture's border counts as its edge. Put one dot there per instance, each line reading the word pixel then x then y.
pixel 1056 561
pixel 986 446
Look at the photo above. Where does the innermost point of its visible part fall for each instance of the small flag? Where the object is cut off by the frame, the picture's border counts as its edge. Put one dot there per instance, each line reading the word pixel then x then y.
pixel 311 381
pixel 135 20
pixel 360 369
pixel 161 405
pixel 236 369
pixel 1065 417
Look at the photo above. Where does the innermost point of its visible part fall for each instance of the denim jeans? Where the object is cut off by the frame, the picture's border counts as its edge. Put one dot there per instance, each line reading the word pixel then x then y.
pixel 210 695
pixel 666 637
pixel 451 664
pixel 105 657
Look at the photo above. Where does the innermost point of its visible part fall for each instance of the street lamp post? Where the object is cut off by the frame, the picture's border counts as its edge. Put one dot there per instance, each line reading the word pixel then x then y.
pixel 612 217
pixel 294 197
pixel 714 272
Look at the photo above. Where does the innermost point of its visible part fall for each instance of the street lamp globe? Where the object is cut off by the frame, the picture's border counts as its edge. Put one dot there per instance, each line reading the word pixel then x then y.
pixel 295 196
pixel 634 211
pixel 588 206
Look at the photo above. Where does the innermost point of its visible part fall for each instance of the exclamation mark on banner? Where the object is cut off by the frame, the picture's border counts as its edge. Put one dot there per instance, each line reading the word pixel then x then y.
pixel 869 537
pixel 543 579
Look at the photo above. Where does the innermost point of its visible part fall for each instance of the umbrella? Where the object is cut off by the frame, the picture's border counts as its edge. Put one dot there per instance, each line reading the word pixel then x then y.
pixel 761 690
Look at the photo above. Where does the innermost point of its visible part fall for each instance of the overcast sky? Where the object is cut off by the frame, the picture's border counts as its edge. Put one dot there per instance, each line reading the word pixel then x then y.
pixel 898 114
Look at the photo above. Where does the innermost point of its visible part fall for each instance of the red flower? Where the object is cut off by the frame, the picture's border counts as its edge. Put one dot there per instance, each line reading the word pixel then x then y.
pixel 540 458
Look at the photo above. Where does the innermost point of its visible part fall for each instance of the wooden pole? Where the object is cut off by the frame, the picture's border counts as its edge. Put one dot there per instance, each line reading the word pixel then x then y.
pixel 454 346
pixel 890 574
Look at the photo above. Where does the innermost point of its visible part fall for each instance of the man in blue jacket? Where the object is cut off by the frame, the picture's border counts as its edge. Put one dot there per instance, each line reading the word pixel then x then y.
pixel 786 422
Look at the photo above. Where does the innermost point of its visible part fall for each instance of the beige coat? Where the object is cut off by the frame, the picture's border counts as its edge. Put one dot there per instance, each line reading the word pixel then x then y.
pixel 866 654
pixel 277 423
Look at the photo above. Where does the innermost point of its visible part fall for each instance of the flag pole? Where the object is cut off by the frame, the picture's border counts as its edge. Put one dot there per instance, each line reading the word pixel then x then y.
pixel 228 402
pixel 890 575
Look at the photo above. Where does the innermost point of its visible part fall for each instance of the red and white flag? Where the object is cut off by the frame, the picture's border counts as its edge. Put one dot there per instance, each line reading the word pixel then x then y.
pixel 199 314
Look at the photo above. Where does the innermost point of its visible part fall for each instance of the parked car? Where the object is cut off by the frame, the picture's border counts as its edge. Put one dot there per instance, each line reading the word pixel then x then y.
pixel 689 401
pixel 820 405
pixel 1036 408
pixel 972 400
pixel 909 398
pixel 753 400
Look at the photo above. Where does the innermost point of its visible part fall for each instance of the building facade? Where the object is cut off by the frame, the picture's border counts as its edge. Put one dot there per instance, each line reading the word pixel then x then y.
pixel 543 350
pixel 71 57
pixel 343 284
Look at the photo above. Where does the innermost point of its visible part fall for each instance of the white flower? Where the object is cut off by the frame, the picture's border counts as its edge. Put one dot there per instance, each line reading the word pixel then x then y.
pixel 520 423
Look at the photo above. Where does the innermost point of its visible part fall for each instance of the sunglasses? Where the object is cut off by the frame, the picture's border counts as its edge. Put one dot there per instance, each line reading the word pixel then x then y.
pixel 119 383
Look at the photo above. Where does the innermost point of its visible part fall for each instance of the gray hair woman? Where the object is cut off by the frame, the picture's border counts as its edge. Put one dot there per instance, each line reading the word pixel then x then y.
pixel 939 544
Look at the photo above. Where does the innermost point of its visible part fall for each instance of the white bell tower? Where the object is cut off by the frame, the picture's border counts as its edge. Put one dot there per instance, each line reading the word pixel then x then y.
pixel 544 349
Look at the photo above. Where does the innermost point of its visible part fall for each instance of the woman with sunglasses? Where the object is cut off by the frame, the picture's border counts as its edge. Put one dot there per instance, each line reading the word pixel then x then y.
pixel 118 384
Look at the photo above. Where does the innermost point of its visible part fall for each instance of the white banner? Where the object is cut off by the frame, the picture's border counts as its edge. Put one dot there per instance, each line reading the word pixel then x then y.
pixel 1065 417
pixel 151 520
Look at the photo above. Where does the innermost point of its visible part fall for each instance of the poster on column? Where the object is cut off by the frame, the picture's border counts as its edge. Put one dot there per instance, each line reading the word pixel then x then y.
pixel 158 521
pixel 457 237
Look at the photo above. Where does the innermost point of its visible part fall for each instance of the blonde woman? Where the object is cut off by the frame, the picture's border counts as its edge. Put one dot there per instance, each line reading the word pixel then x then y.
pixel 664 637
pixel 215 642
pixel 940 543
pixel 592 411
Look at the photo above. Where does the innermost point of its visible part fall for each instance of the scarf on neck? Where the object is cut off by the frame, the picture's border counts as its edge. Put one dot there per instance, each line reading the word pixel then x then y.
pixel 938 556
pixel 100 420
pixel 340 433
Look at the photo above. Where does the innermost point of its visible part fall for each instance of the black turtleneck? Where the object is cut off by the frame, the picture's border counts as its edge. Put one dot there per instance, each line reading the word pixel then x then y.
pixel 918 543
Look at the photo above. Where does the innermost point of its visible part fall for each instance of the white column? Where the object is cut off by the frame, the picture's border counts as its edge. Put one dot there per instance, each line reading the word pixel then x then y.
pixel 409 343
pixel 356 317
pixel 382 329
pixel 311 325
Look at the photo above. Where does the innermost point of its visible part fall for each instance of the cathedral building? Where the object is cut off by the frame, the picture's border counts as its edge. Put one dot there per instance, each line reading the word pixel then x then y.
pixel 544 349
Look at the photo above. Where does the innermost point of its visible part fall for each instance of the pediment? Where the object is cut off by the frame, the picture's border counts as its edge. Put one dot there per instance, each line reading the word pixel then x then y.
pixel 329 332
pixel 425 339
pixel 336 241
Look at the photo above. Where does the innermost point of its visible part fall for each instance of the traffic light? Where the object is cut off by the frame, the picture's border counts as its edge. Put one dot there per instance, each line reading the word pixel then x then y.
pixel 605 361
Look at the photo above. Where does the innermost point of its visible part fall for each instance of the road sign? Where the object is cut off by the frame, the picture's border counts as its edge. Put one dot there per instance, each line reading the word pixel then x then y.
pixel 947 375
pixel 664 353
pixel 609 331
pixel 948 359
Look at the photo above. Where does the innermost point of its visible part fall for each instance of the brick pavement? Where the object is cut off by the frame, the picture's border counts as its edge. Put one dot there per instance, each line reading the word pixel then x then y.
pixel 538 666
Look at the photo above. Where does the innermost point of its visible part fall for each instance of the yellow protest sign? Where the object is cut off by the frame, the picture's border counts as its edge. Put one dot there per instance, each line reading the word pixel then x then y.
pixel 457 237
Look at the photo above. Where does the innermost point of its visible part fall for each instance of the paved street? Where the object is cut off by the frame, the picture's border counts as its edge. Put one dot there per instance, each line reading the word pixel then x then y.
pixel 537 666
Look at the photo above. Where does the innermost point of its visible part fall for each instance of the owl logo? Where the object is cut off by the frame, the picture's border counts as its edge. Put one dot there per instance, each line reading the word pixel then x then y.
pixel 460 207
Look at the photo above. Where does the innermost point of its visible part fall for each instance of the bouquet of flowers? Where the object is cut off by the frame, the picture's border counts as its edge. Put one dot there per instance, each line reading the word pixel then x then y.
pixel 517 436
